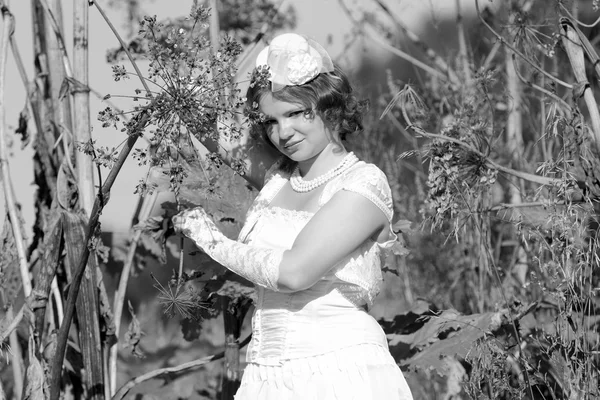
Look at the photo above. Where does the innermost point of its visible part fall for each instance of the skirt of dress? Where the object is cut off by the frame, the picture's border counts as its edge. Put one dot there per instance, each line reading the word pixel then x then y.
pixel 365 372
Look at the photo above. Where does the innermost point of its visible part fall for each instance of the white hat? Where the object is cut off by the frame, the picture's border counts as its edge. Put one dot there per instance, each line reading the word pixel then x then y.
pixel 293 60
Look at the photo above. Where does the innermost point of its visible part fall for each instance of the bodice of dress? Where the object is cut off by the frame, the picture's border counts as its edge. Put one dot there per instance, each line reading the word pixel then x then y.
pixel 330 314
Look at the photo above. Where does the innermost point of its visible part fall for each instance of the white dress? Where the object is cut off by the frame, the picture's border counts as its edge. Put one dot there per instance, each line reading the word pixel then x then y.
pixel 319 343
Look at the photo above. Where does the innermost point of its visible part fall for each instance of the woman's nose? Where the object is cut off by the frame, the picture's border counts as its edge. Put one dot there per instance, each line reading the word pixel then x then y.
pixel 286 129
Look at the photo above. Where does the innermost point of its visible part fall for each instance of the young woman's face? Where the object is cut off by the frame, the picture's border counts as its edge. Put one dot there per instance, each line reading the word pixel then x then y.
pixel 295 130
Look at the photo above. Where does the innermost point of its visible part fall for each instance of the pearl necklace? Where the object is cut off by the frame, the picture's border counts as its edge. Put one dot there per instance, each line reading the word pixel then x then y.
pixel 302 186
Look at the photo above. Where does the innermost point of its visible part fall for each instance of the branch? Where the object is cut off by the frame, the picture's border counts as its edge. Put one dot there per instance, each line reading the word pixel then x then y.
pixel 576 20
pixel 429 52
pixel 514 49
pixel 542 180
pixel 124 45
pixel 187 367
pixel 392 49
pixel 417 63
pixel 488 60
pixel 537 87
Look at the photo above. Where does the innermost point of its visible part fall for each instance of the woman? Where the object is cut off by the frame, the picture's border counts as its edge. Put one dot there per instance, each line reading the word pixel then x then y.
pixel 311 242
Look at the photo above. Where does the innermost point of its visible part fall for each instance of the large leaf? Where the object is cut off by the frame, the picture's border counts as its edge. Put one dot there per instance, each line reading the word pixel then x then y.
pixel 448 334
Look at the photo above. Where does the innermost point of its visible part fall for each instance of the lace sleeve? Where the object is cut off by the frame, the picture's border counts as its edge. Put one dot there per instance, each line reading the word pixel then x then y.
pixel 363 267
pixel 368 181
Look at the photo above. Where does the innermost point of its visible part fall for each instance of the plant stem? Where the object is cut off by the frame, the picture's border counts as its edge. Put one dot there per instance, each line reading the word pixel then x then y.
pixel 124 45
pixel 542 180
pixel 538 87
pixel 59 37
pixel 187 367
pixel 573 17
pixel 81 105
pixel 120 294
pixel 574 49
pixel 517 52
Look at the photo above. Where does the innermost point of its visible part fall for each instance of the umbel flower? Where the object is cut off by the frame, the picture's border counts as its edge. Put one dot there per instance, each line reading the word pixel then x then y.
pixel 193 97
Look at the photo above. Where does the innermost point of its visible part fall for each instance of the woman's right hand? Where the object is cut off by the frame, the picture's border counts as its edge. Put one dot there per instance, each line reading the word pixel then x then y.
pixel 196 224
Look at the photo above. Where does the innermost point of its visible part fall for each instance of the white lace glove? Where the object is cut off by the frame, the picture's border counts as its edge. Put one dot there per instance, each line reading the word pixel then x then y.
pixel 258 265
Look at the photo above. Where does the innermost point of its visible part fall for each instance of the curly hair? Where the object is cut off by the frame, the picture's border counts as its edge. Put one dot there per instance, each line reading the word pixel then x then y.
pixel 329 94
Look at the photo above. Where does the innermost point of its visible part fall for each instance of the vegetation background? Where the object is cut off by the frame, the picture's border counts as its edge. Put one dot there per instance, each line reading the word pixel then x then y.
pixel 483 116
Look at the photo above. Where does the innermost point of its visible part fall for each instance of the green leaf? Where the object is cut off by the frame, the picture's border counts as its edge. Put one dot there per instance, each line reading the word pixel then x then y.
pixel 449 334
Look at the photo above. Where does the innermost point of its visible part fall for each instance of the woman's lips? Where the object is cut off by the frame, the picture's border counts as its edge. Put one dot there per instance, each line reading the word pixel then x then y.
pixel 292 145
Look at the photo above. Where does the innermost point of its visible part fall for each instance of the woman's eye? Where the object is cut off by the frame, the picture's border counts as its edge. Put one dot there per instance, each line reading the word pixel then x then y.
pixel 269 122
pixel 306 113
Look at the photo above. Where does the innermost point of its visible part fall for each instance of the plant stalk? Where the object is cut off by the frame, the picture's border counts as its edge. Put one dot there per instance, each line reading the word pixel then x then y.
pixel 99 204
pixel 81 105
pixel 574 49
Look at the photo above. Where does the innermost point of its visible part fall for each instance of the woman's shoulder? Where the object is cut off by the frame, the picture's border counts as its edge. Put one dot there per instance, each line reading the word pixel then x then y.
pixel 367 180
pixel 365 172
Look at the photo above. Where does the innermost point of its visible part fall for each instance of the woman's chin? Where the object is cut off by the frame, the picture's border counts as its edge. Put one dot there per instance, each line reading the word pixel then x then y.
pixel 298 156
pixel 294 155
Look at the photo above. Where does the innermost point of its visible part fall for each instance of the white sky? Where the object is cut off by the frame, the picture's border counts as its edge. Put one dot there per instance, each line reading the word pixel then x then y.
pixel 321 19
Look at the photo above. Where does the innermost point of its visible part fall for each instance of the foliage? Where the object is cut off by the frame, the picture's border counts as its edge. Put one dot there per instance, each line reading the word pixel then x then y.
pixel 520 250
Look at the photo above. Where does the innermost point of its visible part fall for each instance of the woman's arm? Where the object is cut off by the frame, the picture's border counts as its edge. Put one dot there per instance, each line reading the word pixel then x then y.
pixel 336 230
pixel 360 209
